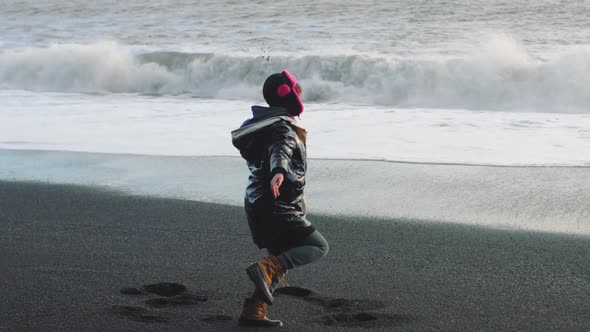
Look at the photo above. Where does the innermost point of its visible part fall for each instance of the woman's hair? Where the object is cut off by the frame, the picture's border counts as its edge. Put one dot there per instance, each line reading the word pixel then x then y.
pixel 270 90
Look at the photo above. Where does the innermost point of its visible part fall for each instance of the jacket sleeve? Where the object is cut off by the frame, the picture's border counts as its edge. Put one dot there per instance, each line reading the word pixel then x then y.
pixel 280 149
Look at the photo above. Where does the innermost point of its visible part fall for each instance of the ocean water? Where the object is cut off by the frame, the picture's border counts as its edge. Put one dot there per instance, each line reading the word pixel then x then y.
pixel 519 55
pixel 475 82
pixel 494 83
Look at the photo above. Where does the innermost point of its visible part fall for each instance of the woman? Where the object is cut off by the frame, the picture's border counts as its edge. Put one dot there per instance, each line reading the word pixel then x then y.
pixel 273 144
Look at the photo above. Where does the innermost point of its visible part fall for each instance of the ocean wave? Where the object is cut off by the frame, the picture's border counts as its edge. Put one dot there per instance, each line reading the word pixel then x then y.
pixel 497 75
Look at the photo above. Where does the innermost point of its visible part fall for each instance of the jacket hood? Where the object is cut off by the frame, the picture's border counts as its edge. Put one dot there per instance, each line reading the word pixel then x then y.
pixel 260 113
pixel 244 138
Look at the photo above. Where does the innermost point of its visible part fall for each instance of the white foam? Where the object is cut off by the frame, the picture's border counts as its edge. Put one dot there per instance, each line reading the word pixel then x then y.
pixel 201 127
pixel 99 67
pixel 498 74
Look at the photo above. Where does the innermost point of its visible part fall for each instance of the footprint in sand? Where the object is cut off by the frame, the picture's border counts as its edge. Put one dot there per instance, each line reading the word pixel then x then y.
pixel 330 303
pixel 139 314
pixel 182 299
pixel 366 320
pixel 347 312
pixel 167 289
pixel 172 294
pixel 216 318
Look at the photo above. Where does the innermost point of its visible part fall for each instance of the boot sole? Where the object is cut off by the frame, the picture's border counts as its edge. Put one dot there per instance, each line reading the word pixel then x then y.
pixel 258 279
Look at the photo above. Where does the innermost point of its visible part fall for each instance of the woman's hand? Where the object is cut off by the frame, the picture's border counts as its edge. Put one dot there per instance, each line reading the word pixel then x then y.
pixel 275 183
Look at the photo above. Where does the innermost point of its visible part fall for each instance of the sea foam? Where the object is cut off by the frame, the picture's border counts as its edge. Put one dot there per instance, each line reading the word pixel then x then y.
pixel 498 74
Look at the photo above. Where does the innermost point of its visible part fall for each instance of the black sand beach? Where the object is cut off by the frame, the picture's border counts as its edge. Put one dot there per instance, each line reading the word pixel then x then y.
pixel 67 252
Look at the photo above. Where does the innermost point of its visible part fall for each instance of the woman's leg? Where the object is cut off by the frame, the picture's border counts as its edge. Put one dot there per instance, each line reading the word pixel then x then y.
pixel 309 250
pixel 268 273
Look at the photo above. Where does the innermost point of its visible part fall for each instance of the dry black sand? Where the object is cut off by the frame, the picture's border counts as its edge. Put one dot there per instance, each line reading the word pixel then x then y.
pixel 82 259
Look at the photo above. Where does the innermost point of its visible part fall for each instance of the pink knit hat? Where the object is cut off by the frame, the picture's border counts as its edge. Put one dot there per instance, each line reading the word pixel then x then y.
pixel 279 91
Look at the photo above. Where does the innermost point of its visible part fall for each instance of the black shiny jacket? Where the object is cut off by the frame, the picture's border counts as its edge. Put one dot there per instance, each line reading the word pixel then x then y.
pixel 271 142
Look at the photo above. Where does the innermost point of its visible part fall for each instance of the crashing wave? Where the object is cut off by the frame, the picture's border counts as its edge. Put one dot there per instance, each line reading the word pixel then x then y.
pixel 498 75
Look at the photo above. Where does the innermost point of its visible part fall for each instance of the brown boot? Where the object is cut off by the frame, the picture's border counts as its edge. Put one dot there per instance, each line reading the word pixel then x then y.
pixel 254 314
pixel 262 272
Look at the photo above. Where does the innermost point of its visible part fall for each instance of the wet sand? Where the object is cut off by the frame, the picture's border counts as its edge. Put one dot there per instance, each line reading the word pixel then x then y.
pixel 78 258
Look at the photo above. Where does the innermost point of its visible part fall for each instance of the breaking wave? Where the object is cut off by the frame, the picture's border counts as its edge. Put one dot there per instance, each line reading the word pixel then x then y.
pixel 497 75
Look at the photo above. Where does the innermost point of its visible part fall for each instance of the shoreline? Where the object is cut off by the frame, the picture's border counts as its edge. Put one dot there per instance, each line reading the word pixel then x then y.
pixel 68 250
pixel 547 199
pixel 407 162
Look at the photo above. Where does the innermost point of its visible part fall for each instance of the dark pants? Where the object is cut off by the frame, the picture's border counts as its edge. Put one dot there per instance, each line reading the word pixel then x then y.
pixel 310 249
